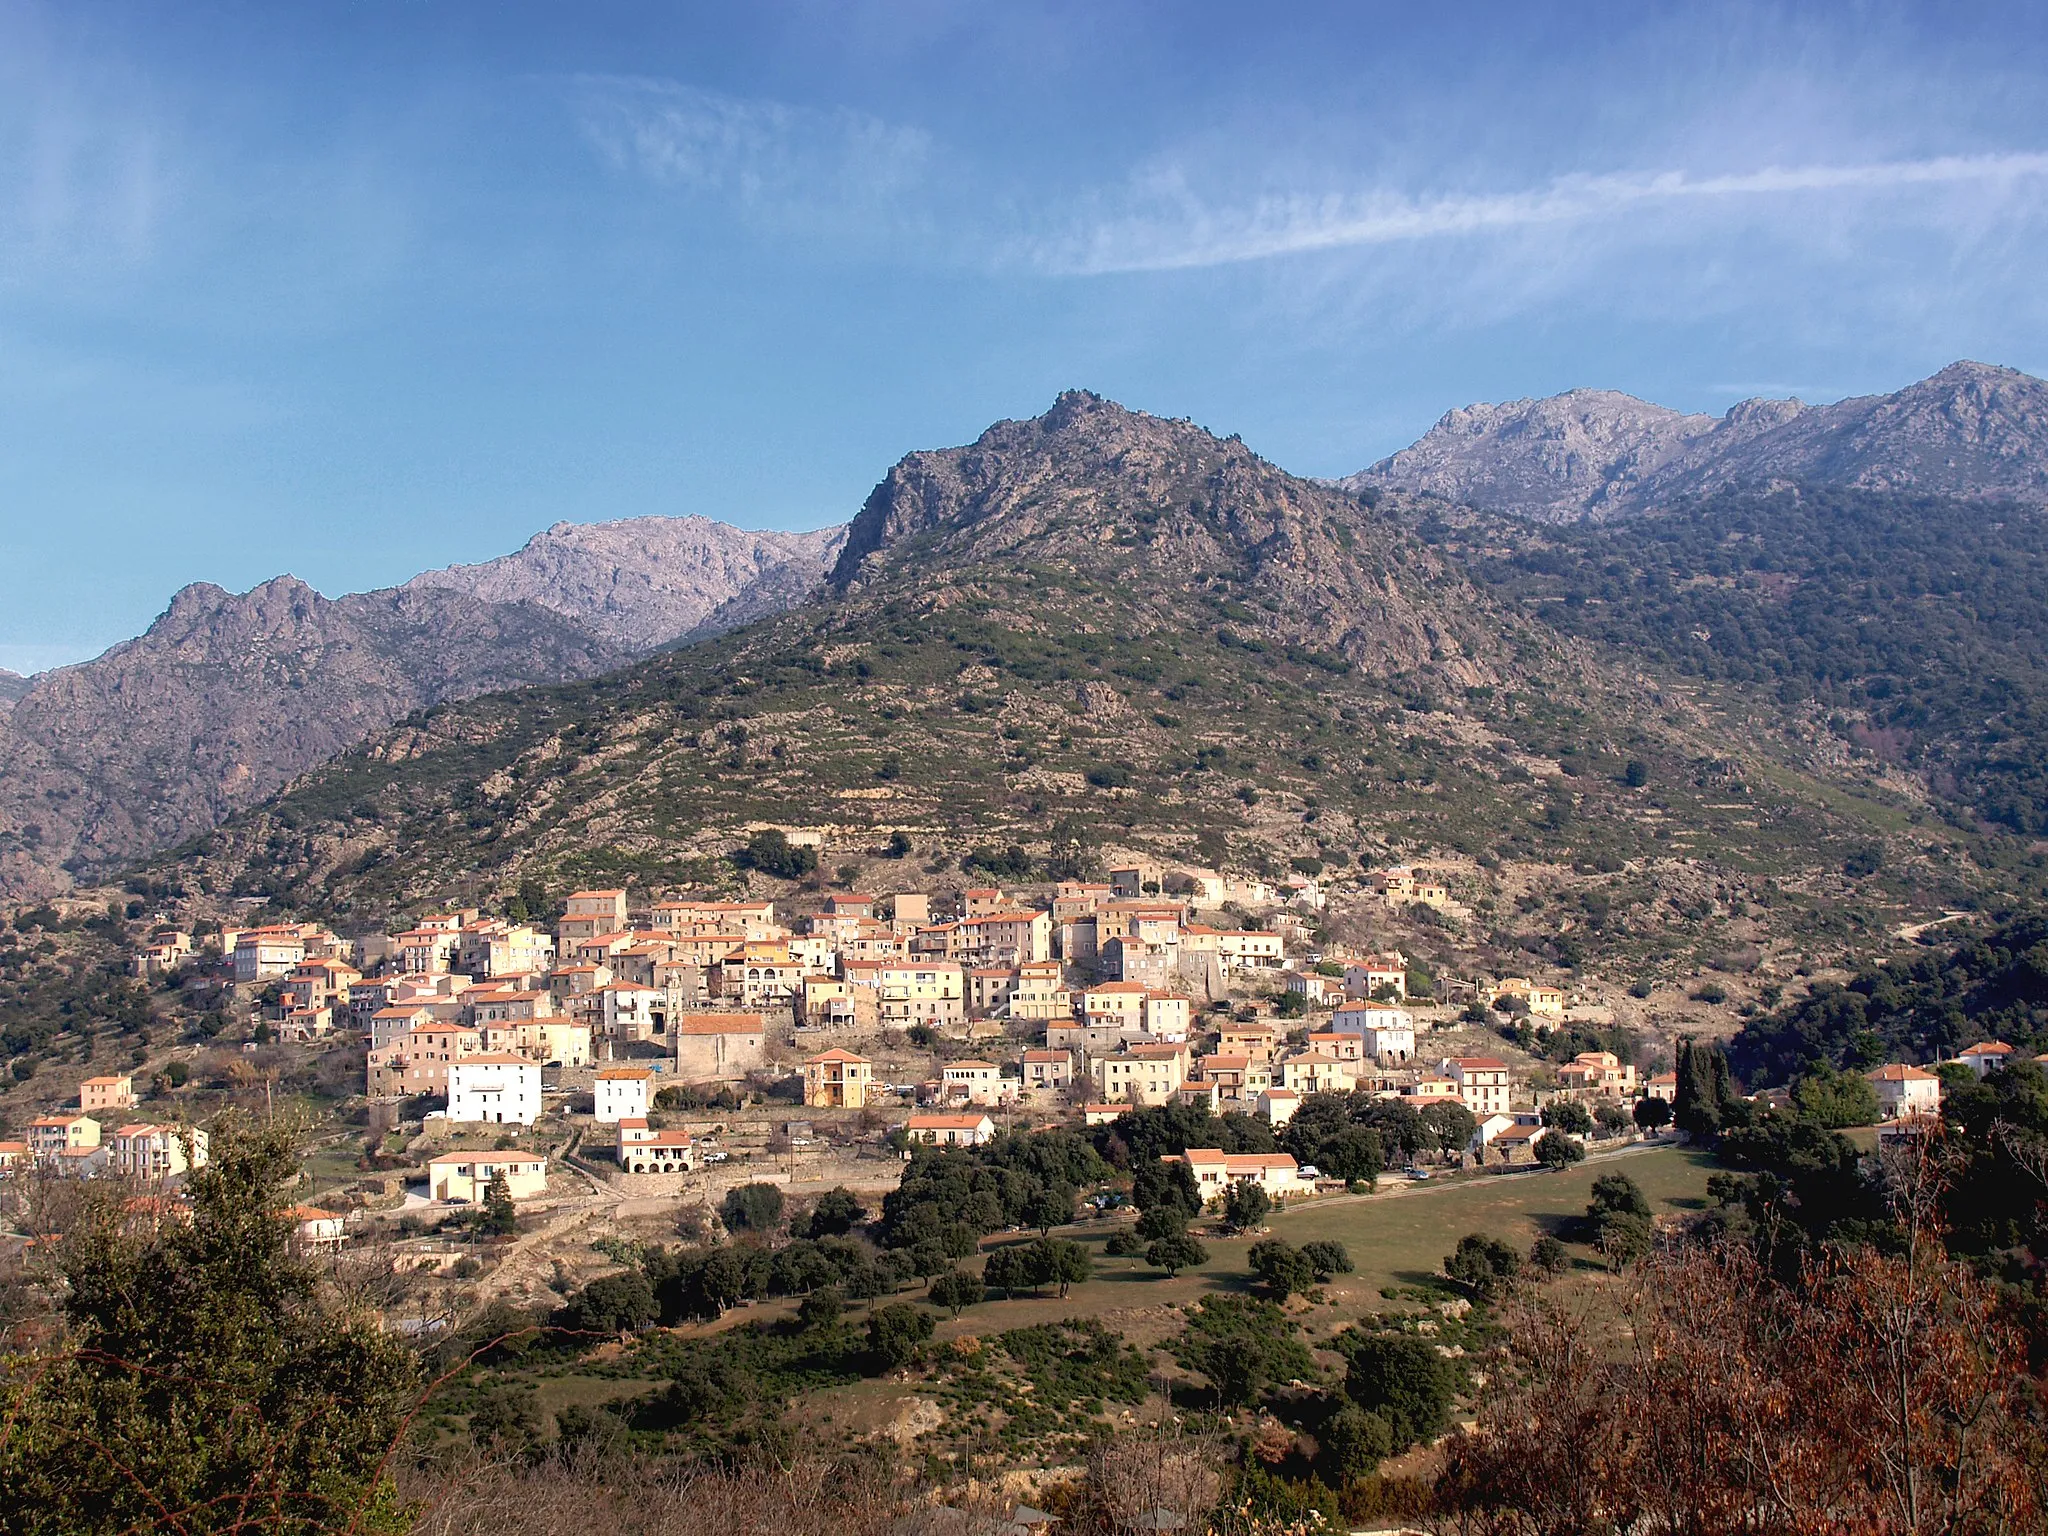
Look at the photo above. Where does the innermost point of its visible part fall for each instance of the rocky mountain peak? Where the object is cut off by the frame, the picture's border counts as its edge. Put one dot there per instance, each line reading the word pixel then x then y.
pixel 1972 429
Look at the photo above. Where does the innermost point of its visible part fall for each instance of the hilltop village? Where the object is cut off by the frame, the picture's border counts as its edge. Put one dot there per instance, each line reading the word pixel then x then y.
pixel 672 1047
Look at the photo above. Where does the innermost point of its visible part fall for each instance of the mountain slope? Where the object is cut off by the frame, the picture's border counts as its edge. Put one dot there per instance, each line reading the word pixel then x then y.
pixel 1916 625
pixel 1970 430
pixel 227 697
pixel 1096 631
pixel 643 582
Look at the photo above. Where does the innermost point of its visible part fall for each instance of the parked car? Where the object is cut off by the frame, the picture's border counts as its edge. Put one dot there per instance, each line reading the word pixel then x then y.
pixel 1417 1174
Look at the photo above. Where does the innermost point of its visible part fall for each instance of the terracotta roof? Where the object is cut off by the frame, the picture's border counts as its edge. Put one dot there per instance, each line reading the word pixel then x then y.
pixel 496 1059
pixel 721 1024
pixel 945 1122
pixel 1897 1072
pixel 624 1074
pixel 838 1053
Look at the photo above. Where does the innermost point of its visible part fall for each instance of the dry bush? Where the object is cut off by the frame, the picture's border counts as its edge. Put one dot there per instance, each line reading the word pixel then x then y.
pixel 632 1497
pixel 1146 1470
pixel 1877 1394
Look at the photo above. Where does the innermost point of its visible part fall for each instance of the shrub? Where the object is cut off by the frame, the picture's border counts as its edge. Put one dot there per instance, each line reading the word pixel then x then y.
pixel 1549 1257
pixel 1554 1149
pixel 1405 1381
pixel 895 1331
pixel 822 1308
pixel 772 853
pixel 1284 1269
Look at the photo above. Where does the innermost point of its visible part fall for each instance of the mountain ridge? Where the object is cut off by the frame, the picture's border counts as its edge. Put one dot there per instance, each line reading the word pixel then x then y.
pixel 1972 429
pixel 227 697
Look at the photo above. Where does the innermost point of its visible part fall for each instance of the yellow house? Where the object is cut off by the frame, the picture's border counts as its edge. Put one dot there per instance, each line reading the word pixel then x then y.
pixel 464 1176
pixel 838 1079
pixel 106 1093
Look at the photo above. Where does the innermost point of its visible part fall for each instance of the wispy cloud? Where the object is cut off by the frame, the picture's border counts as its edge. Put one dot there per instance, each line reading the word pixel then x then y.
pixel 1180 230
pixel 778 163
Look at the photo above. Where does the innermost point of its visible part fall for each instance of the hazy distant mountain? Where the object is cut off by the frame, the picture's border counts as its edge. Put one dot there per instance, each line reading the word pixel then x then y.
pixel 1971 430
pixel 642 582
pixel 227 698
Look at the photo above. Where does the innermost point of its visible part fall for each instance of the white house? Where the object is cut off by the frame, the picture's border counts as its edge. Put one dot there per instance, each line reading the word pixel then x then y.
pixel 622 1092
pixel 1986 1058
pixel 1482 1082
pixel 1215 1171
pixel 1904 1091
pixel 500 1089
pixel 976 1082
pixel 958 1130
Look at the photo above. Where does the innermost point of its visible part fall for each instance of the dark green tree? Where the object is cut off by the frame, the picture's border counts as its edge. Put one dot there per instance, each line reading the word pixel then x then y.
pixel 1485 1265
pixel 1283 1268
pixel 1175 1253
pixel 1568 1115
pixel 895 1331
pixel 1405 1381
pixel 751 1208
pixel 1245 1205
pixel 1554 1149
pixel 498 1217
pixel 207 1382
pixel 1652 1114
pixel 1328 1256
pixel 955 1290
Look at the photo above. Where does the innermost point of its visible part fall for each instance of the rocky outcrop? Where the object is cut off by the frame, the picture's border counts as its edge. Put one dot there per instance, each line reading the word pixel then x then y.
pixel 12 686
pixel 1970 430
pixel 643 582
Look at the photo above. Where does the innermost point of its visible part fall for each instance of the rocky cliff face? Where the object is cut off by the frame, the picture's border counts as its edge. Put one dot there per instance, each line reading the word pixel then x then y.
pixel 1970 430
pixel 12 686
pixel 646 581
pixel 226 698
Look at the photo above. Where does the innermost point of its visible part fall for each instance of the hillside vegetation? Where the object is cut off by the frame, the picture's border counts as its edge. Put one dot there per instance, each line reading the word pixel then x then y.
pixel 1917 624
pixel 1097 629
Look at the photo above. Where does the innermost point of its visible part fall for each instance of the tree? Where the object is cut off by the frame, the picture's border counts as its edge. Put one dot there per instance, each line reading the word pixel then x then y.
pixel 837 1212
pixel 1354 1443
pixel 751 1208
pixel 723 1279
pixel 822 1308
pixel 772 853
pixel 1549 1256
pixel 1284 1269
pixel 1354 1155
pixel 1486 1265
pixel 895 1331
pixel 209 1381
pixel 1175 1253
pixel 1405 1381
pixel 610 1304
pixel 1050 1205
pixel 1450 1125
pixel 1617 1192
pixel 1245 1205
pixel 1611 1118
pixel 1835 1099
pixel 1004 1271
pixel 955 1290
pixel 1242 1344
pixel 1871 1391
pixel 1554 1149
pixel 1705 1090
pixel 1568 1115
pixel 498 1218
pixel 1055 1261
pixel 1652 1114
pixel 1328 1256
pixel 1162 1221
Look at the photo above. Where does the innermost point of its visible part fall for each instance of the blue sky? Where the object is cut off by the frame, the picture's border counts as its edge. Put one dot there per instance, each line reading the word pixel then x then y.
pixel 354 290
